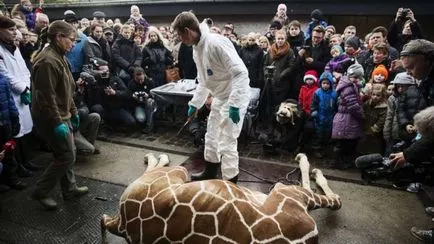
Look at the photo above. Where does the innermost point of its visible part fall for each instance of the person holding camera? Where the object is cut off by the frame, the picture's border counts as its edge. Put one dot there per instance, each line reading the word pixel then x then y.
pixel 139 89
pixel 403 29
pixel 96 45
pixel 222 73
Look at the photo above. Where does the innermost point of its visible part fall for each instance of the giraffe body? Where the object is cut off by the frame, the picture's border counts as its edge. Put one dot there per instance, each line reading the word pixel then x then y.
pixel 162 207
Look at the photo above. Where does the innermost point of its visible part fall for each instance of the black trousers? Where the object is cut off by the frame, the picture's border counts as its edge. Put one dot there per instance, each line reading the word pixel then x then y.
pixel 10 165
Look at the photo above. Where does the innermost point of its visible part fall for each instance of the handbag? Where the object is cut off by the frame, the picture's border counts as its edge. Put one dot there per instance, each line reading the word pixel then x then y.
pixel 172 74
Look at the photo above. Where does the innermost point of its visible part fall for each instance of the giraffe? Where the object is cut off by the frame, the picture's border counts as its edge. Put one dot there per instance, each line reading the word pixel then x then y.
pixel 161 206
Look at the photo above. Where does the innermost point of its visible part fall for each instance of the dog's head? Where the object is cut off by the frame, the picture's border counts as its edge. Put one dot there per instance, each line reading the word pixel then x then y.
pixel 288 111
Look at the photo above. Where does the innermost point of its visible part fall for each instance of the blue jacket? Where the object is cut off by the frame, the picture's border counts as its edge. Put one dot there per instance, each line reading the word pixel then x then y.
pixel 8 110
pixel 76 55
pixel 324 103
pixel 311 25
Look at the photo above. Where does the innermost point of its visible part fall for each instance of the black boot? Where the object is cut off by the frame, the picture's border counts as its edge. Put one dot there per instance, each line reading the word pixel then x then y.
pixel 234 179
pixel 210 172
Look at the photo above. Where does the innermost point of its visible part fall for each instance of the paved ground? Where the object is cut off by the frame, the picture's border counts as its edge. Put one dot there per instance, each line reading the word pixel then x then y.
pixel 369 214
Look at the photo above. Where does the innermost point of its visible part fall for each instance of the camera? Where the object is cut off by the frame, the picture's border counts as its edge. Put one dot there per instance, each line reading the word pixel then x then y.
pixel 374 167
pixel 141 96
pixel 405 11
pixel 269 72
pixel 88 78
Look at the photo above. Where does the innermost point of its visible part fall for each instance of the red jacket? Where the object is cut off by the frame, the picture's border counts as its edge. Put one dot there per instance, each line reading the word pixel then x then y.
pixel 306 96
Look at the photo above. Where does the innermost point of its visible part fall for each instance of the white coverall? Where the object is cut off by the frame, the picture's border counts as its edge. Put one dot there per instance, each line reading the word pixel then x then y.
pixel 222 73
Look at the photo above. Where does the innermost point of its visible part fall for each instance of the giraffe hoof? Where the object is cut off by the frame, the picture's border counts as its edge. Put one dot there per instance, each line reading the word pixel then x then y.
pixel 300 156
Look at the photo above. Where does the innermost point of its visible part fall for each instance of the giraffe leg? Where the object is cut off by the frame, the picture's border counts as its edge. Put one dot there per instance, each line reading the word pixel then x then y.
pixel 110 224
pixel 163 160
pixel 322 182
pixel 151 160
pixel 304 168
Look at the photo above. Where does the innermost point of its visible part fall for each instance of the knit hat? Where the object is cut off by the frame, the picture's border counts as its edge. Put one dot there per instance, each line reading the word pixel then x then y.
pixel 69 16
pixel 418 47
pixel 339 48
pixel 316 14
pixel 311 74
pixel 403 79
pixel 134 7
pixel 381 69
pixel 99 14
pixel 276 25
pixel 353 42
pixel 355 70
pixel 331 27
pixel 6 22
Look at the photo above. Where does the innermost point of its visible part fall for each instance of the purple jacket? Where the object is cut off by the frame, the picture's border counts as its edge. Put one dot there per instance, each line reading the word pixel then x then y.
pixel 348 121
pixel 335 63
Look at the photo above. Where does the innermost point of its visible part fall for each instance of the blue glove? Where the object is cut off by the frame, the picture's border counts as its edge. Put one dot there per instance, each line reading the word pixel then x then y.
pixel 191 110
pixel 234 114
pixel 61 131
pixel 26 97
pixel 75 121
pixel 314 114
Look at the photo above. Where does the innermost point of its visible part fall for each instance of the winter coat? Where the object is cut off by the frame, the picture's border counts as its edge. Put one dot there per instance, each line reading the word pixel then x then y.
pixel 140 21
pixel 52 87
pixel 397 39
pixel 338 64
pixel 324 103
pixel 372 141
pixel 220 71
pixel 126 54
pixel 296 42
pixel 348 121
pixel 187 67
pixel 8 110
pixel 76 55
pixel 252 58
pixel 120 99
pixel 93 49
pixel 306 96
pixel 420 151
pixel 30 17
pixel 409 104
pixel 312 25
pixel 156 58
pixel 391 126
pixel 321 56
pixel 133 86
pixel 13 67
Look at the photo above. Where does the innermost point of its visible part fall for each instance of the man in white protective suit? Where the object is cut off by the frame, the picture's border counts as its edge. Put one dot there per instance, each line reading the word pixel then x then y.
pixel 222 73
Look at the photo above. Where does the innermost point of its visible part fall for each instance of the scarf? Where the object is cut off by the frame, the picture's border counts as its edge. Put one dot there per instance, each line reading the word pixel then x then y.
pixel 277 53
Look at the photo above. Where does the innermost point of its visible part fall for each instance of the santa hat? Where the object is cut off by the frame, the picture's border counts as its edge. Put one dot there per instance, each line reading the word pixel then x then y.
pixel 381 69
pixel 311 74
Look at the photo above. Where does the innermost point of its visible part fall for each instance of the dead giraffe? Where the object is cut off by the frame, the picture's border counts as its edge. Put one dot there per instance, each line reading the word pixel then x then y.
pixel 162 207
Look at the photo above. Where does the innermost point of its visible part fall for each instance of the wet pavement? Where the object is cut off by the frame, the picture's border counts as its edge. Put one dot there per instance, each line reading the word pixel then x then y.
pixel 369 214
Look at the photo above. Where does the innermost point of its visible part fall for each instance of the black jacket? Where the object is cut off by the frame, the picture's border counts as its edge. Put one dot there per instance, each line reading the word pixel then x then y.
pixel 409 104
pixel 93 48
pixel 186 64
pixel 420 151
pixel 118 100
pixel 156 58
pixel 126 54
pixel 296 41
pixel 252 58
pixel 397 39
pixel 133 87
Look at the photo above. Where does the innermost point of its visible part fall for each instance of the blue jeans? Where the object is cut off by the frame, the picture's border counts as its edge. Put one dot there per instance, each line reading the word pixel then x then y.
pixel 121 116
pixel 144 112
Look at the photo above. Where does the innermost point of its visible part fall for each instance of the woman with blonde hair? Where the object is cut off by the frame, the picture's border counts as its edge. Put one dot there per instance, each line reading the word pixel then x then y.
pixel 156 56
pixel 264 44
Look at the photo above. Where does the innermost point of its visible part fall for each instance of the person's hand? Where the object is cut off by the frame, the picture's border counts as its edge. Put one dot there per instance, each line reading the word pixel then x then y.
pixel 410 15
pixel 80 82
pixel 191 110
pixel 395 65
pixel 398 160
pixel 301 52
pixel 109 91
pixel 398 13
pixel 103 68
pixel 61 131
pixel 75 121
pixel 26 97
pixel 309 60
pixel 410 129
pixel 234 114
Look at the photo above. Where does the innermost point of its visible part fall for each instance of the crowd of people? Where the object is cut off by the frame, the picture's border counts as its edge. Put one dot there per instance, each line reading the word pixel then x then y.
pixel 62 79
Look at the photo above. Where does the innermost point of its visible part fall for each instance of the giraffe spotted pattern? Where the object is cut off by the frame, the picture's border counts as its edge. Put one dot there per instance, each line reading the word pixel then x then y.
pixel 162 207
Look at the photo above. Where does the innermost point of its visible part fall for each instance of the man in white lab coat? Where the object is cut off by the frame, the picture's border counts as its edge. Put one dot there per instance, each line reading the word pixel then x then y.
pixel 221 73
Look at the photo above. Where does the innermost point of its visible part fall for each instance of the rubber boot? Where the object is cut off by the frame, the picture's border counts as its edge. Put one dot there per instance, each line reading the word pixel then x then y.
pixel 234 179
pixel 210 172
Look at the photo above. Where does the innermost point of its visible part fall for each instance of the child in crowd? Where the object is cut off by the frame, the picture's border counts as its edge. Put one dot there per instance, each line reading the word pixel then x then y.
pixel 375 110
pixel 138 40
pixel 338 63
pixel 390 89
pixel 9 127
pixel 323 109
pixel 348 121
pixel 391 127
pixel 307 91
pixel 379 76
pixel 139 88
pixel 295 36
